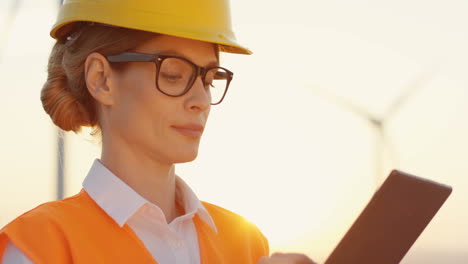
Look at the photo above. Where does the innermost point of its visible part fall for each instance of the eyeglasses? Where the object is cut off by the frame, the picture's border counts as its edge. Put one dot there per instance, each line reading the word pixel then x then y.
pixel 175 75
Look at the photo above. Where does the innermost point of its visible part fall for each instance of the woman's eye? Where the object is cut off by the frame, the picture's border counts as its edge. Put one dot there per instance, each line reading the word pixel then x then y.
pixel 171 77
pixel 209 84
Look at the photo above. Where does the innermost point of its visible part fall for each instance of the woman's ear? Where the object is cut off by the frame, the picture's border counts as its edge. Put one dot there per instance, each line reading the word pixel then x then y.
pixel 97 75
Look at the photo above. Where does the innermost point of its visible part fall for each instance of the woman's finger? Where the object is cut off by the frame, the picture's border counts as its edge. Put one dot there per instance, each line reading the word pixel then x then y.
pixel 286 258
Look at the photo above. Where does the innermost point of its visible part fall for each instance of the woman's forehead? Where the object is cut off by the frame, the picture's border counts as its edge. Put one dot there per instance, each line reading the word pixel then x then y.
pixel 200 52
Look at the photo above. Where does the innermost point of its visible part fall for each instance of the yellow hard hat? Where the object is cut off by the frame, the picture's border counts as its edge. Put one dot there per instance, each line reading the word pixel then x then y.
pixel 205 20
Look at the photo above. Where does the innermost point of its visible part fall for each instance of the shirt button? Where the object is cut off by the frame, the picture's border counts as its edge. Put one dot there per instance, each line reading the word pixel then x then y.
pixel 178 245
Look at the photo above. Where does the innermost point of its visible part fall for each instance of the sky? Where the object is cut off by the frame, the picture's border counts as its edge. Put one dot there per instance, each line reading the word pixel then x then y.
pixel 285 149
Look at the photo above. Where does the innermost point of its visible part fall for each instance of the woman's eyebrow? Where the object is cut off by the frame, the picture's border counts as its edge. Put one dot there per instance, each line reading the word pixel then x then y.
pixel 178 54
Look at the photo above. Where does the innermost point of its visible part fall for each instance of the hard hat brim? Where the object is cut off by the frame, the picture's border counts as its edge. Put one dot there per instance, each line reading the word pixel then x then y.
pixel 70 14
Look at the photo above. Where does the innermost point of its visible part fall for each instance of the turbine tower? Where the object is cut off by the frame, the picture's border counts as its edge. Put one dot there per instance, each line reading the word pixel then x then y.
pixel 60 158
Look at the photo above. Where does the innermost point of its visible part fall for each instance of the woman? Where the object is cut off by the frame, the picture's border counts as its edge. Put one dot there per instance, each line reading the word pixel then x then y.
pixel 144 74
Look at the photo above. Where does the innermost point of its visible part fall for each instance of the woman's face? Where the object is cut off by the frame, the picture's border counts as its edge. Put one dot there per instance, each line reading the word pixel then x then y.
pixel 149 123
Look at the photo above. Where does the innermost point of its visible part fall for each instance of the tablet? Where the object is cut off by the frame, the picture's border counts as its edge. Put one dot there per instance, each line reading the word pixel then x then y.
pixel 392 221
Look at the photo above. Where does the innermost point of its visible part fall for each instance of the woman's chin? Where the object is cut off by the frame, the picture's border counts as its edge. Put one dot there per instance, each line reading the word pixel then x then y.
pixel 185 156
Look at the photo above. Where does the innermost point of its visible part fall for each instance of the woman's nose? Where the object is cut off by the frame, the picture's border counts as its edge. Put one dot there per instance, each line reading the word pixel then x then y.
pixel 198 98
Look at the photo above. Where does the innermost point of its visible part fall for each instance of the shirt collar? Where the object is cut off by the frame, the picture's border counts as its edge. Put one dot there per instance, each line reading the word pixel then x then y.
pixel 120 201
pixel 191 203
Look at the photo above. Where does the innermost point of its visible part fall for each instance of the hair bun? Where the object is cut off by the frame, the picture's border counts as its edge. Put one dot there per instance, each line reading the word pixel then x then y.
pixel 58 100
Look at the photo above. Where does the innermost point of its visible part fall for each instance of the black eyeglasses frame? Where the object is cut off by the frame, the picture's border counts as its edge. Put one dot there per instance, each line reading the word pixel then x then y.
pixel 158 59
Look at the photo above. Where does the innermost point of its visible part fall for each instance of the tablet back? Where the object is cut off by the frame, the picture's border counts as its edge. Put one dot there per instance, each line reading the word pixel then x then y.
pixel 392 221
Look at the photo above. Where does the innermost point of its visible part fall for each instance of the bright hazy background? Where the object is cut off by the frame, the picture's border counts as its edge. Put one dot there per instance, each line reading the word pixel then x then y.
pixel 284 149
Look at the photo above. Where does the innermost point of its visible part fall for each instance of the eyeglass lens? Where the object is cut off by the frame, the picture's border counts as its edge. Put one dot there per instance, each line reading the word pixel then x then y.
pixel 175 75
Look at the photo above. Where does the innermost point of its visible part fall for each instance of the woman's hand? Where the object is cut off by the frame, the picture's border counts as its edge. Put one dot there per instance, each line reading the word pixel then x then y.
pixel 286 258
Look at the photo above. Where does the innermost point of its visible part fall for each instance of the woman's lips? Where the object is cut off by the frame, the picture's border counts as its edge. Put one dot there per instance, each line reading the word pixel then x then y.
pixel 190 130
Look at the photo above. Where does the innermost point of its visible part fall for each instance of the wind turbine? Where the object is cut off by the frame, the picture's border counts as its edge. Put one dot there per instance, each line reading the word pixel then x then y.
pixel 379 122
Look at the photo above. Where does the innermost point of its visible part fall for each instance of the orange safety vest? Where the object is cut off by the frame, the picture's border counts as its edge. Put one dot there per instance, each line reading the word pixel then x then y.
pixel 77 230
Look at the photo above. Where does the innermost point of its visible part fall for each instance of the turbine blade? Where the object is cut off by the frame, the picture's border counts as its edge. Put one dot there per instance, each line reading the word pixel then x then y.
pixel 416 84
pixel 342 102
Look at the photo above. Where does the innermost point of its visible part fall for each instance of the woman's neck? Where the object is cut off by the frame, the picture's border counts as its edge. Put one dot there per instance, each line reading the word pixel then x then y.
pixel 153 181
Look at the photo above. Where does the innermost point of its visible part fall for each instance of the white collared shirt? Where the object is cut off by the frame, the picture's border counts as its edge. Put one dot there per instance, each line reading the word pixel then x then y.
pixel 176 242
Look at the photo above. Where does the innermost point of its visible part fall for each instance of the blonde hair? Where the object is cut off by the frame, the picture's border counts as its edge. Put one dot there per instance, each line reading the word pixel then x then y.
pixel 64 95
